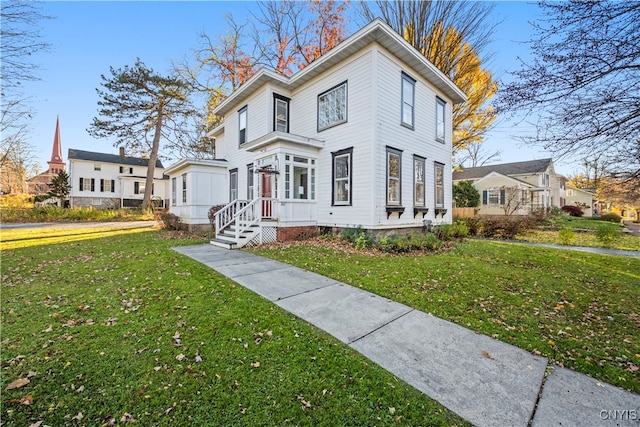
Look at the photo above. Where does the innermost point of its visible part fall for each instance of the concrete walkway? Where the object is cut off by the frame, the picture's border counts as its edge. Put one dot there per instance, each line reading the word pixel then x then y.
pixel 486 381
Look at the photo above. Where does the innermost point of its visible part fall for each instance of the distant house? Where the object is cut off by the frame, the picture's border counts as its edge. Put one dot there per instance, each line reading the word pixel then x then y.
pixel 515 188
pixel 39 184
pixel 112 181
pixel 361 137
pixel 582 198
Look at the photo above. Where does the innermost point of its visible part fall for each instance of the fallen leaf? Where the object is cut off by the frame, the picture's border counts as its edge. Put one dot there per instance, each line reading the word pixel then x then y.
pixel 36 424
pixel 392 410
pixel 78 417
pixel 31 374
pixel 127 418
pixel 80 389
pixel 18 383
pixel 108 421
pixel 198 359
pixel 256 364
pixel 27 400
pixel 487 355
pixel 180 357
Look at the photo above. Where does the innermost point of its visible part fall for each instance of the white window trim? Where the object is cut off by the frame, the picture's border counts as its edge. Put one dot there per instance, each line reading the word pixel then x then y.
pixel 419 161
pixel 396 202
pixel 438 185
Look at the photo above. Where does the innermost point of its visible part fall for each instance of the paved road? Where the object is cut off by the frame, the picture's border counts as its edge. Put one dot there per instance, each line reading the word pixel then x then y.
pixel 633 227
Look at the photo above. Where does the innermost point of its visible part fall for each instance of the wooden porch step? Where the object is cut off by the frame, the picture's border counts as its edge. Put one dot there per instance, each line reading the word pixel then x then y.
pixel 223 243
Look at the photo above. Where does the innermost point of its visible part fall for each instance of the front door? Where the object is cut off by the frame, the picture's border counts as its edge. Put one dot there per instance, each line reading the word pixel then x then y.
pixel 266 194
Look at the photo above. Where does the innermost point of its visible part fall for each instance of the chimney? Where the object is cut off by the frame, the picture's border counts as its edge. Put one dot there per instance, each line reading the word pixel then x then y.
pixel 121 151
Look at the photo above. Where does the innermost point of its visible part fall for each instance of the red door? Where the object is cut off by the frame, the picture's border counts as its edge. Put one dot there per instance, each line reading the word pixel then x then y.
pixel 265 185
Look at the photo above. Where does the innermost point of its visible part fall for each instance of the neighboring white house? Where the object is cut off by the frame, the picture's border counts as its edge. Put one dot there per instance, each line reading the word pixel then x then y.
pixel 360 137
pixel 515 188
pixel 112 181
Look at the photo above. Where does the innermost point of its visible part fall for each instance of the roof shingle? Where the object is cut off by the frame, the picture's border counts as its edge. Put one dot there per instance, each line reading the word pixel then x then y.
pixel 109 158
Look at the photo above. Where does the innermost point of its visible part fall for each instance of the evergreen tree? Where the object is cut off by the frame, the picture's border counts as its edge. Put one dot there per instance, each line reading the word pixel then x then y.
pixel 59 187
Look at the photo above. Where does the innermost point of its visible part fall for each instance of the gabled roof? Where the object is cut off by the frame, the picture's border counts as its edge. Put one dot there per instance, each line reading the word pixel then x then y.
pixel 375 31
pixel 505 177
pixel 109 158
pixel 517 168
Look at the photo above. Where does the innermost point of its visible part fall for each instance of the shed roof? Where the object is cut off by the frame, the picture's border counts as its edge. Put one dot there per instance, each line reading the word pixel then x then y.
pixel 109 158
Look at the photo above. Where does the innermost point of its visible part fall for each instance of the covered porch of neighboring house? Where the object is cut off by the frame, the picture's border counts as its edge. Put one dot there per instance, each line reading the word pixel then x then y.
pixel 281 185
pixel 541 199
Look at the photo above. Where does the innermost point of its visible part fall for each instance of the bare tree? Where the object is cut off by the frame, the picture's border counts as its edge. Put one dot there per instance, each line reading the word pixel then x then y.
pixel 475 154
pixel 21 42
pixel 515 199
pixel 584 81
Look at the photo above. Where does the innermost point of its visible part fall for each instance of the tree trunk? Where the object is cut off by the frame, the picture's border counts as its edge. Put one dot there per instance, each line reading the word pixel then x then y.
pixel 153 158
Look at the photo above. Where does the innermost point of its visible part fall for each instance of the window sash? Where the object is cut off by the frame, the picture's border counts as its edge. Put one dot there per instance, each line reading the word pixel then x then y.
pixel 242 125
pixel 394 172
pixel 418 182
pixel 332 107
pixel 342 179
pixel 439 185
pixel 440 114
pixel 184 188
pixel 233 185
pixel 174 189
pixel 408 100
pixel 250 187
pixel 299 178
pixel 281 115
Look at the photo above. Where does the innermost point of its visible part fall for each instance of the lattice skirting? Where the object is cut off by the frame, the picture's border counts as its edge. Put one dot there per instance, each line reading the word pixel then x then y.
pixel 269 235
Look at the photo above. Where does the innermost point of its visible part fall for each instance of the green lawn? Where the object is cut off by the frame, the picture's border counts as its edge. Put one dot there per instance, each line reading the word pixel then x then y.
pixel 573 231
pixel 580 310
pixel 111 326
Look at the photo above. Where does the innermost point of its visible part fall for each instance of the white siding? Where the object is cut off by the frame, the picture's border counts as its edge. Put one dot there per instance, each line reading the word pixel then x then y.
pixel 419 141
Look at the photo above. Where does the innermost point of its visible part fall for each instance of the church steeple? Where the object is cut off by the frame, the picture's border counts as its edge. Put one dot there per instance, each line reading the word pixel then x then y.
pixel 56 164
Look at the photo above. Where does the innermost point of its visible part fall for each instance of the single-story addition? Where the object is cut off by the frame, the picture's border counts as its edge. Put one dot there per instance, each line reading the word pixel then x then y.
pixel 582 198
pixel 104 180
pixel 361 137
pixel 515 188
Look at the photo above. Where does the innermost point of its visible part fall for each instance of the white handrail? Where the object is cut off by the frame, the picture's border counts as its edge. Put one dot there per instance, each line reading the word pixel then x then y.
pixel 226 216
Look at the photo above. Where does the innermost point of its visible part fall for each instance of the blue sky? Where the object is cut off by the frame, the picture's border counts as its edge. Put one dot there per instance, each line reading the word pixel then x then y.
pixel 87 38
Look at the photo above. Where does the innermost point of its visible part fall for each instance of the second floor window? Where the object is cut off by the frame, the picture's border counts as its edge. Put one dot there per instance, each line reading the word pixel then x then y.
pixel 242 125
pixel 280 113
pixel 408 99
pixel 332 106
pixel 440 108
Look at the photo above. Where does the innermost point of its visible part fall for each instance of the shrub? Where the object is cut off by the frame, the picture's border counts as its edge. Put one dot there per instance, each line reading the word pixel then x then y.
pixel 572 210
pixel 612 217
pixel 566 235
pixel 358 237
pixel 465 195
pixel 608 234
pixel 415 242
pixel 213 210
pixel 496 227
pixel 170 221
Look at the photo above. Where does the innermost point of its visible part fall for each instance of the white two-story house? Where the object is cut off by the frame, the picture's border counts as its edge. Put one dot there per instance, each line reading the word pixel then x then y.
pixel 104 180
pixel 359 138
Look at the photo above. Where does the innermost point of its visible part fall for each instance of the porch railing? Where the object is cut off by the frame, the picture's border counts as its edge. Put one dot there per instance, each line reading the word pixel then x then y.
pixel 244 214
pixel 226 216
